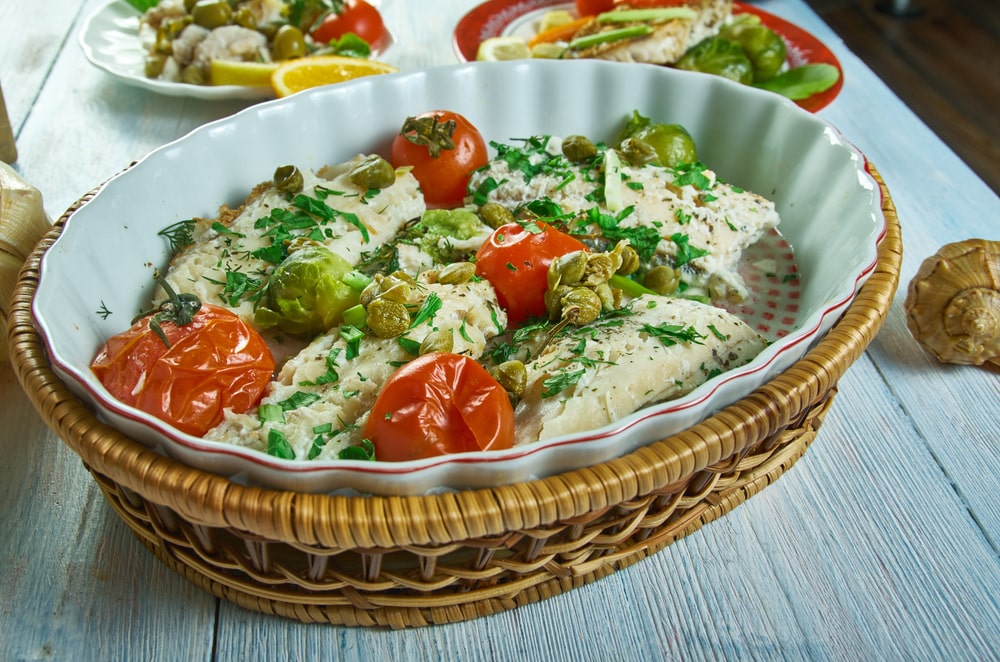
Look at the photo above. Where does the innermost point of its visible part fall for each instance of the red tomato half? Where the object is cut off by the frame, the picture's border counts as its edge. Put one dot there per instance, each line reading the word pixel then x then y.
pixel 438 404
pixel 214 363
pixel 358 17
pixel 515 259
pixel 443 171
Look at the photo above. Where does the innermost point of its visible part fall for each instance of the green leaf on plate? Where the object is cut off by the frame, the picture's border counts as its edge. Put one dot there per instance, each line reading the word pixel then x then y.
pixel 143 5
pixel 803 82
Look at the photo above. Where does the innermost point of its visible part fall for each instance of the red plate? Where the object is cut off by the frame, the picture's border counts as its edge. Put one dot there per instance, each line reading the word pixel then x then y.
pixel 495 18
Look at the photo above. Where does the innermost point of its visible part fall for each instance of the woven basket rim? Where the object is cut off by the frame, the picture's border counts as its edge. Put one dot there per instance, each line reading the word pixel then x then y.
pixel 388 521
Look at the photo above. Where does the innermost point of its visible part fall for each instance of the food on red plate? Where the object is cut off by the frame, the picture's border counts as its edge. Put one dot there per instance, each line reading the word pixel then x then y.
pixel 442 148
pixel 186 364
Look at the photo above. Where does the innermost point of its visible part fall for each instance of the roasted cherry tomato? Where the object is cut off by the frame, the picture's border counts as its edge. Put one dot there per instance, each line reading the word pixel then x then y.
pixel 591 7
pixel 443 148
pixel 187 363
pixel 355 16
pixel 516 259
pixel 437 404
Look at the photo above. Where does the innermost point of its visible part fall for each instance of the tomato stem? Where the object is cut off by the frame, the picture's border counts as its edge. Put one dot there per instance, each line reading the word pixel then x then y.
pixel 179 309
pixel 430 132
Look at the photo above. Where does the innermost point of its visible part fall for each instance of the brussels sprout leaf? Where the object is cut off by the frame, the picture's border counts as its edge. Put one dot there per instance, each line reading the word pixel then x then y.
pixel 143 5
pixel 803 82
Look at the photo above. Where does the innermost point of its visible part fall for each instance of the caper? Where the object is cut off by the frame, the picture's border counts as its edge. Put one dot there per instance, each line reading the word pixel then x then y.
pixel 630 261
pixel 580 306
pixel 373 172
pixel 553 300
pixel 437 341
pixel 387 319
pixel 662 279
pixel 637 152
pixel 495 214
pixel 611 297
pixel 578 148
pixel 600 268
pixel 567 269
pixel 456 273
pixel 154 65
pixel 289 43
pixel 393 287
pixel 194 75
pixel 512 375
pixel 211 14
pixel 288 179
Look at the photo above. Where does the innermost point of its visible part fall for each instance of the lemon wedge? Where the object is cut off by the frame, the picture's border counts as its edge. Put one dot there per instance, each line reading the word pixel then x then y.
pixel 303 73
pixel 503 48
pixel 250 74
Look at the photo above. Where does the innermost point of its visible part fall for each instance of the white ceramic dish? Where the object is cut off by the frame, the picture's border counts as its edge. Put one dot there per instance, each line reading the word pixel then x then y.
pixel 830 209
pixel 110 40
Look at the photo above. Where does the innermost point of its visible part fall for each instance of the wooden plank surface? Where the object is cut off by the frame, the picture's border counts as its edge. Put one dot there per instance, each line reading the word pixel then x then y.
pixel 881 543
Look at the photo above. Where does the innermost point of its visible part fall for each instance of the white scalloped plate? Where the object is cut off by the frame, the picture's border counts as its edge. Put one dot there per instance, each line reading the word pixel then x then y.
pixel 110 40
pixel 830 207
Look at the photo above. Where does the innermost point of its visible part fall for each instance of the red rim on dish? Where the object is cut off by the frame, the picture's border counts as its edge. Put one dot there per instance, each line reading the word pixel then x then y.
pixel 492 18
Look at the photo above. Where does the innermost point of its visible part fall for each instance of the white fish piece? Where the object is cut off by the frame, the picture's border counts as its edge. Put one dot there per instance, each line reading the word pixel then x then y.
pixel 690 211
pixel 340 390
pixel 666 44
pixel 360 223
pixel 596 374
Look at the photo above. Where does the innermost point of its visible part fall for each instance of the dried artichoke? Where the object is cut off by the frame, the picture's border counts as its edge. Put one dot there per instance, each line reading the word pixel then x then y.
pixel 953 303
pixel 22 223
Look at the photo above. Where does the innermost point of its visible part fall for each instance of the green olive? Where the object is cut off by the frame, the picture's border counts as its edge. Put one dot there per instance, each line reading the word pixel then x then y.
pixel 578 148
pixel 211 14
pixel 288 179
pixel 189 5
pixel 387 319
pixel 373 172
pixel 289 43
pixel 495 214
pixel 154 65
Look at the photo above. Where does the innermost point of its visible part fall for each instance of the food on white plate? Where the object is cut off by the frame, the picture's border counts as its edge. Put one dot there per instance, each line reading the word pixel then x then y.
pixel 183 38
pixel 572 287
pixel 696 35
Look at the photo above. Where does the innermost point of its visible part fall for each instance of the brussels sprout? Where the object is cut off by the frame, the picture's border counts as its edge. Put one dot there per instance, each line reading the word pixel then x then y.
pixel 672 143
pixel 720 57
pixel 763 46
pixel 306 293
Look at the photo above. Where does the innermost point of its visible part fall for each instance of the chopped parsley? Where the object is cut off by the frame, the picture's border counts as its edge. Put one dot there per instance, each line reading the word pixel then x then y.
pixel 672 334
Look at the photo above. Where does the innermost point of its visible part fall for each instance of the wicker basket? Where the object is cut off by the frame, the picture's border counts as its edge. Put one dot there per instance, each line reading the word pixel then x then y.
pixel 412 561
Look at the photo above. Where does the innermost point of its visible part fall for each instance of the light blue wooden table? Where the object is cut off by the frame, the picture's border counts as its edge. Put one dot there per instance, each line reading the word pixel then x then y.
pixel 880 544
